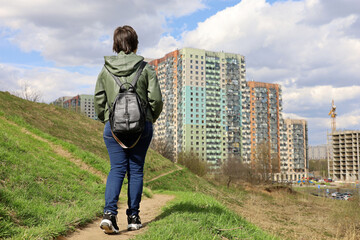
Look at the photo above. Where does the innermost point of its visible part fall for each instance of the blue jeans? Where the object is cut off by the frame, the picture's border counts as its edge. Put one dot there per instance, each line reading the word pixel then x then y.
pixel 122 161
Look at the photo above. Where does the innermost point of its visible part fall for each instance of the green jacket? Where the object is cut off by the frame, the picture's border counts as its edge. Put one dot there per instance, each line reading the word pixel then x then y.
pixel 124 66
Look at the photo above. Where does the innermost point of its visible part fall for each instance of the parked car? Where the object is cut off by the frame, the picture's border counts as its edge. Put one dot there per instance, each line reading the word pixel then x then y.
pixel 334 194
pixel 346 197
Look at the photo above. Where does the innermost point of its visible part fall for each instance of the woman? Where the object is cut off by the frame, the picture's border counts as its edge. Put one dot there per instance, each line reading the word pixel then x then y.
pixel 125 160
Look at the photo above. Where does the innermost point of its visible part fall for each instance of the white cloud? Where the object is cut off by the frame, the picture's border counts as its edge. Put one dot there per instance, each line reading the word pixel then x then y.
pixel 350 120
pixel 317 97
pixel 51 83
pixel 166 44
pixel 285 41
pixel 314 104
pixel 310 47
pixel 70 33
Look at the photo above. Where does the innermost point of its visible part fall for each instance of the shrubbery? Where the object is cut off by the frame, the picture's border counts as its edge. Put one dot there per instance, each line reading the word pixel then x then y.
pixel 193 162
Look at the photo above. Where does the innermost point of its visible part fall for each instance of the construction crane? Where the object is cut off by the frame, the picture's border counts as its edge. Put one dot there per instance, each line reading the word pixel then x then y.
pixel 332 114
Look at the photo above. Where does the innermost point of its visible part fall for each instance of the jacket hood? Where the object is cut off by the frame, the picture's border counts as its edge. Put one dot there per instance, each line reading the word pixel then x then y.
pixel 123 64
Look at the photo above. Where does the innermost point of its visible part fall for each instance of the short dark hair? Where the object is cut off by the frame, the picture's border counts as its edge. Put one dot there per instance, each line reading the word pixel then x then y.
pixel 125 39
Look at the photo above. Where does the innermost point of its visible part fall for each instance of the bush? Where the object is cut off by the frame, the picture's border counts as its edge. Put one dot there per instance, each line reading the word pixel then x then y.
pixel 193 162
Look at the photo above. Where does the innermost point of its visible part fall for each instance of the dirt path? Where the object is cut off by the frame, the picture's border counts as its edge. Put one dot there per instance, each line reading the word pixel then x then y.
pixel 62 152
pixel 164 174
pixel 150 209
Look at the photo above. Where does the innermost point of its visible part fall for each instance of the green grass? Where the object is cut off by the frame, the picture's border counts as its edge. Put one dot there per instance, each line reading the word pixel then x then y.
pixel 76 133
pixel 198 216
pixel 42 194
pixel 156 164
pixel 182 180
pixel 57 122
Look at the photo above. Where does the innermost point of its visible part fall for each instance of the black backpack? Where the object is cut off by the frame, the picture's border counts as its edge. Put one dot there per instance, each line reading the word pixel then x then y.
pixel 127 113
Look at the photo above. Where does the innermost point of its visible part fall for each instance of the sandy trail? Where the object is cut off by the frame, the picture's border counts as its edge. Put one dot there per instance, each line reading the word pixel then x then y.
pixel 150 209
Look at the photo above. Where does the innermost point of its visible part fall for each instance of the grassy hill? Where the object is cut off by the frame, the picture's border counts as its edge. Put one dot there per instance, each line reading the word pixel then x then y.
pixel 53 167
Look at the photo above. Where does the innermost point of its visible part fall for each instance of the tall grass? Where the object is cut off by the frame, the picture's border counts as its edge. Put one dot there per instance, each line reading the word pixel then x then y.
pixel 198 216
pixel 349 212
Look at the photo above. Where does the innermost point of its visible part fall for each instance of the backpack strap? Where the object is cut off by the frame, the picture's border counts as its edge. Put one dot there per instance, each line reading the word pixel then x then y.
pixel 134 81
pixel 122 144
pixel 114 77
pixel 138 73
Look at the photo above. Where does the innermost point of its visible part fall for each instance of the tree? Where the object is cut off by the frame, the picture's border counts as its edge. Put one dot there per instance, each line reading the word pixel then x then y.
pixel 231 170
pixel 266 163
pixel 320 166
pixel 163 148
pixel 28 93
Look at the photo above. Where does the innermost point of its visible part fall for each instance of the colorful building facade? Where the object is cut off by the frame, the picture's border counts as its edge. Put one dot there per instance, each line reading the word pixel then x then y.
pixel 202 103
pixel 212 111
pixel 265 117
pixel 81 103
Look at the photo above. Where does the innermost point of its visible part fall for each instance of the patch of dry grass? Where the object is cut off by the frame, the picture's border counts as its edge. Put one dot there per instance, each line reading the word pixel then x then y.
pixel 301 215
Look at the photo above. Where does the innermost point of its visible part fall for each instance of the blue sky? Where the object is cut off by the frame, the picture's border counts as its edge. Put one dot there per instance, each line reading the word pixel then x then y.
pixel 310 47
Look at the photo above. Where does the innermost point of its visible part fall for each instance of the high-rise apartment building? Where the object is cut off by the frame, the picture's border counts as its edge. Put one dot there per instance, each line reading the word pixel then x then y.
pixel 202 103
pixel 81 103
pixel 60 101
pixel 210 110
pixel 265 108
pixel 344 165
pixel 296 166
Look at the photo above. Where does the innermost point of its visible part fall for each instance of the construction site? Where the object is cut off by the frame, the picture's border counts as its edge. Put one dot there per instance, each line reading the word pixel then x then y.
pixel 343 152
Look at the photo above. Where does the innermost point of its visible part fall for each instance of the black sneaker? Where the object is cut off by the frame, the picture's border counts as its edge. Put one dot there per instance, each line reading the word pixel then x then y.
pixel 108 223
pixel 134 222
